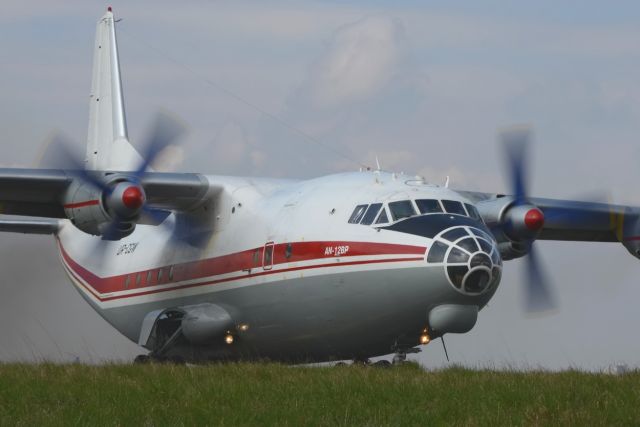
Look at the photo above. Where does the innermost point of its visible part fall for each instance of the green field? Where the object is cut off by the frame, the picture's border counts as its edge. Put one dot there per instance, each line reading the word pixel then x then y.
pixel 255 394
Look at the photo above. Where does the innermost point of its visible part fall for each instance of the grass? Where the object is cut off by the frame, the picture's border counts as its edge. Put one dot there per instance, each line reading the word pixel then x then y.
pixel 256 394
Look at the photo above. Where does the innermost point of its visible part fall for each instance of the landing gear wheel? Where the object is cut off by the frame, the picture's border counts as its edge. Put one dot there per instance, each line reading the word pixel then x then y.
pixel 382 364
pixel 141 359
pixel 175 360
pixel 399 358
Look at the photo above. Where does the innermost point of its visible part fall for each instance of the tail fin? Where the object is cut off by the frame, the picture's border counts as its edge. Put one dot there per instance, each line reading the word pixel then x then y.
pixel 108 146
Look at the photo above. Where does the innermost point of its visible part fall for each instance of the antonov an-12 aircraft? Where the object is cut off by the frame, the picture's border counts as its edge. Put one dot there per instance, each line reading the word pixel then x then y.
pixel 205 268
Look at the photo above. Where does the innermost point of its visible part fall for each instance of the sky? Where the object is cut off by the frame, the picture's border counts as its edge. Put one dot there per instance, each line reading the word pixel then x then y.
pixel 302 89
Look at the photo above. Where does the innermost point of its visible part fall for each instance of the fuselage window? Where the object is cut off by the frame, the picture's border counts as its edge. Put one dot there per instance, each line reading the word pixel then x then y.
pixel 357 214
pixel 171 273
pixel 473 212
pixel 428 206
pixel 126 281
pixel 138 279
pixel 288 250
pixel 454 207
pixel 257 257
pixel 149 277
pixel 371 213
pixel 382 218
pixel 402 209
pixel 160 276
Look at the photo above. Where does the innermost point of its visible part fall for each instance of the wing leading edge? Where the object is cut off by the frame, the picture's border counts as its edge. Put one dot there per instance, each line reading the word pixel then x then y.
pixel 42 192
pixel 568 220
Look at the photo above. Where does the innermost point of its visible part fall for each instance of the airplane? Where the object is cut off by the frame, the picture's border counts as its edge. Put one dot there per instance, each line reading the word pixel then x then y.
pixel 204 268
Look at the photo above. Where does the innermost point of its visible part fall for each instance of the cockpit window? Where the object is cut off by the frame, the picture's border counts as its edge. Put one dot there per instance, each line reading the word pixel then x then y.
pixel 428 206
pixel 402 209
pixel 454 207
pixel 473 212
pixel 371 213
pixel 383 218
pixel 357 214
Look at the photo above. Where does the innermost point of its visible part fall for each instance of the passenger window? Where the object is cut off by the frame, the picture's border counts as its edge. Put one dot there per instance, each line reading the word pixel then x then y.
pixel 149 277
pixel 171 273
pixel 402 209
pixel 473 212
pixel 371 213
pixel 428 206
pixel 383 218
pixel 454 207
pixel 288 250
pixel 357 214
pixel 257 257
pixel 126 281
pixel 138 279
pixel 160 276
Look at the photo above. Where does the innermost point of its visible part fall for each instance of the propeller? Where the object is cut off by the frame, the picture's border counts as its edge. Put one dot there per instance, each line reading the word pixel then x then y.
pixel 126 200
pixel 538 295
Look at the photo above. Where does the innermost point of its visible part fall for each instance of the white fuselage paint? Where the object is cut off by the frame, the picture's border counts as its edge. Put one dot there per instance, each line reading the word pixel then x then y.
pixel 333 302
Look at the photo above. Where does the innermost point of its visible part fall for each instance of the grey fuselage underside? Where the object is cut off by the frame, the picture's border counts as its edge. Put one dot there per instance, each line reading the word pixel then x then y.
pixel 319 318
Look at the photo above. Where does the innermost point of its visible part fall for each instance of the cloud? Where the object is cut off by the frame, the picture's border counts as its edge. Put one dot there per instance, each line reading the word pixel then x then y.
pixel 359 60
pixel 231 143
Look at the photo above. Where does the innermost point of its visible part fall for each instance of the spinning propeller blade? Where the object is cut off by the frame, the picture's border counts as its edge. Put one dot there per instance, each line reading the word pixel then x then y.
pixel 538 297
pixel 165 131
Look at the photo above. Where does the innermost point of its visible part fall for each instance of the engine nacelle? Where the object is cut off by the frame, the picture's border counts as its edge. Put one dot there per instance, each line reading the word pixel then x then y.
pixel 511 250
pixel 115 208
pixel 514 226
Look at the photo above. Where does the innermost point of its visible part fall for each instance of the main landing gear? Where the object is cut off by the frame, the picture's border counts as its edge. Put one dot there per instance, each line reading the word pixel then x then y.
pixel 143 359
pixel 401 354
pixel 399 358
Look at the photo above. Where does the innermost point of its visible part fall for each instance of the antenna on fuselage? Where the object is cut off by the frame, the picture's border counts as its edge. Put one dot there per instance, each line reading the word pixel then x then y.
pixel 378 163
pixel 444 347
pixel 446 182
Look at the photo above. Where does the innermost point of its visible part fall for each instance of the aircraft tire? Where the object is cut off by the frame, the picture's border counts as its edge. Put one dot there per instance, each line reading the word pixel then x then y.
pixel 141 359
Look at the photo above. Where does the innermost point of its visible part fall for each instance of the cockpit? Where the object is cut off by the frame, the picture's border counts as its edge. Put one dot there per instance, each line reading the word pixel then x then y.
pixel 462 244
pixel 390 212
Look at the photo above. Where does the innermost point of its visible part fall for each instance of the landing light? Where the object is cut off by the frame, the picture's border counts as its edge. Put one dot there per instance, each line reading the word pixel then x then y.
pixel 243 327
pixel 424 339
pixel 228 339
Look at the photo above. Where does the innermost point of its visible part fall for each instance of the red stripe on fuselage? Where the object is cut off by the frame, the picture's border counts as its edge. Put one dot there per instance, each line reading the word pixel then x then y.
pixel 246 261
pixel 230 279
pixel 82 204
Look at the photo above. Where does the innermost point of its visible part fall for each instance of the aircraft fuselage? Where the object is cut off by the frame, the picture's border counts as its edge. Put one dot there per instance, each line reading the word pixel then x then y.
pixel 301 280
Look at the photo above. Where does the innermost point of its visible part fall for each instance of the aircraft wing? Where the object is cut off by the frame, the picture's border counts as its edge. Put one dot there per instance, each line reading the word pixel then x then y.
pixel 584 221
pixel 572 220
pixel 41 192
pixel 30 225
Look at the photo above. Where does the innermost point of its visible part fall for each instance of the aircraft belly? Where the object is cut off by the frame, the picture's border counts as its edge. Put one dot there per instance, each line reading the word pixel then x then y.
pixel 314 317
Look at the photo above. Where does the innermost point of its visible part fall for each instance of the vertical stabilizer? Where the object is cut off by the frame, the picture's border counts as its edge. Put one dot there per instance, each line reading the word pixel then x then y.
pixel 108 146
